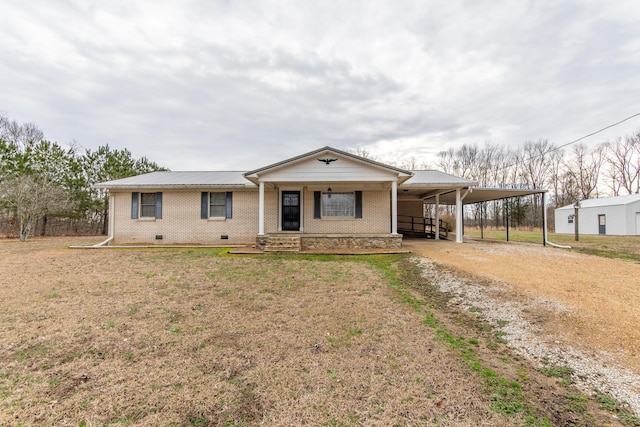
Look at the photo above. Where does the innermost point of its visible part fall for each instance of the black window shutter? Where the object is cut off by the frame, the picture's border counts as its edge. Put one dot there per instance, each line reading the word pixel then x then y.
pixel 358 204
pixel 134 205
pixel 229 204
pixel 158 205
pixel 317 195
pixel 204 205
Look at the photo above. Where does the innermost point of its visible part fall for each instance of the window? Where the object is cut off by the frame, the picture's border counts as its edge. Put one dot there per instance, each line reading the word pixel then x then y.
pixel 570 219
pixel 146 205
pixel 337 204
pixel 217 204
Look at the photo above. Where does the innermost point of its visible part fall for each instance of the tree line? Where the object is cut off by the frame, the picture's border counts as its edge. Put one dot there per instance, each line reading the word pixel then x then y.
pixel 570 175
pixel 47 189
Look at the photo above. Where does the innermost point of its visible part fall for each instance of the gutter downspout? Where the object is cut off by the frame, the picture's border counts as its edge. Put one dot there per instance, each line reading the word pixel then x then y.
pixel 545 236
pixel 112 222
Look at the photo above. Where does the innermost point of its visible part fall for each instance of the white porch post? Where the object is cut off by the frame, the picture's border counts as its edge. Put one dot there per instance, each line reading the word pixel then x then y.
pixel 437 216
pixel 458 216
pixel 394 207
pixel 544 219
pixel 261 210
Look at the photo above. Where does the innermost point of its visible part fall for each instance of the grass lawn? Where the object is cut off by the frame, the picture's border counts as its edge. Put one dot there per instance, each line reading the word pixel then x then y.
pixel 195 337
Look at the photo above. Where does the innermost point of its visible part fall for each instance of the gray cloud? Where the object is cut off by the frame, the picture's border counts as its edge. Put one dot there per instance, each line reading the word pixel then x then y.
pixel 237 85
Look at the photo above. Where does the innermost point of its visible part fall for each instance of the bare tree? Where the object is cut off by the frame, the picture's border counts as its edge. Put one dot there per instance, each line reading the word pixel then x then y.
pixel 536 167
pixel 30 200
pixel 468 161
pixel 623 160
pixel 446 161
pixel 361 152
pixel 19 135
pixel 535 170
pixel 584 169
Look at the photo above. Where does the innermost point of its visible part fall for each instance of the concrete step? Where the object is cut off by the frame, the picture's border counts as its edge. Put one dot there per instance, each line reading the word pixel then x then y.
pixel 283 244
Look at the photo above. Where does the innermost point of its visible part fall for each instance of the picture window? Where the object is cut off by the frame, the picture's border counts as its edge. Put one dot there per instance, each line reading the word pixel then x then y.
pixel 336 204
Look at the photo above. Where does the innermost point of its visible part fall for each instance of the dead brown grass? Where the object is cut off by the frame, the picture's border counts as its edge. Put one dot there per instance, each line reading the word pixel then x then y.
pixel 187 338
pixel 603 294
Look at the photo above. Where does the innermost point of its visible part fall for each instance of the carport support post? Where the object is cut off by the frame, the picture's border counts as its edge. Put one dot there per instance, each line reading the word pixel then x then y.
pixel 437 216
pixel 506 216
pixel 544 218
pixel 458 216
pixel 576 225
pixel 481 227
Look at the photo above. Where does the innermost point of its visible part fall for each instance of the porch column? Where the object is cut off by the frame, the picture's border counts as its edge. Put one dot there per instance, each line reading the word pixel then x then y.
pixel 394 207
pixel 437 216
pixel 261 210
pixel 458 216
pixel 544 219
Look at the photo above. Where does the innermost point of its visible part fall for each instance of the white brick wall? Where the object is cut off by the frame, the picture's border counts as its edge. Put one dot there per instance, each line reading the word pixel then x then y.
pixel 376 216
pixel 181 222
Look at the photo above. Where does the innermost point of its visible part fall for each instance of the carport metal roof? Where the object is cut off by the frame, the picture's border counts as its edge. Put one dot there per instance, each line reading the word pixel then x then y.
pixel 482 194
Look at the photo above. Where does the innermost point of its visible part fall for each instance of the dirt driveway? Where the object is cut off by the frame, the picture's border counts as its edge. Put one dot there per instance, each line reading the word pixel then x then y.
pixel 598 298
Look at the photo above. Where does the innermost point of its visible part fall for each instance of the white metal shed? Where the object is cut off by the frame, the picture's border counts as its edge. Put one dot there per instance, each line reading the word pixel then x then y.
pixel 618 216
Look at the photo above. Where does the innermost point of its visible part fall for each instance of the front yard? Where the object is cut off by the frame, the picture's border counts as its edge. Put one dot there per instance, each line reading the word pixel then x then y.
pixel 195 337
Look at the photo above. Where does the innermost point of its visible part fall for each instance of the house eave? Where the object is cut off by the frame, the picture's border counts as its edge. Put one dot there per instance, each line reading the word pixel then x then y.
pixel 171 186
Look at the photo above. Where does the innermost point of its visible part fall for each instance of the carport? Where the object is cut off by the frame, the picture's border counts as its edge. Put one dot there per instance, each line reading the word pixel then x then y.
pixel 461 195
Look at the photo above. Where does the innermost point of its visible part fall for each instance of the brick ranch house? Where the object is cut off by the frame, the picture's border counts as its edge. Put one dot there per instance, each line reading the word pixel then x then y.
pixel 323 199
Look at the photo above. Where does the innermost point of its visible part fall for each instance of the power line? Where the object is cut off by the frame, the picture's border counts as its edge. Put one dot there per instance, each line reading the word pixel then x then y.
pixel 576 140
pixel 596 132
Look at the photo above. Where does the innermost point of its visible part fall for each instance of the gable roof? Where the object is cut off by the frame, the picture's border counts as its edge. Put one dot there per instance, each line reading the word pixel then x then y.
pixel 605 201
pixel 414 180
pixel 327 151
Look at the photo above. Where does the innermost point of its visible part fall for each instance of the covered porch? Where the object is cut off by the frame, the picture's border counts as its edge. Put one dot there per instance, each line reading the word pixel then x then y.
pixel 328 199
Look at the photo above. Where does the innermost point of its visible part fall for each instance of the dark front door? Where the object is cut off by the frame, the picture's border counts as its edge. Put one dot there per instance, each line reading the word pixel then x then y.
pixel 291 210
pixel 602 224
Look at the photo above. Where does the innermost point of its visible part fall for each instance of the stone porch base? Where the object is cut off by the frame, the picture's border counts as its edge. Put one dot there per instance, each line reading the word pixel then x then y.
pixel 331 242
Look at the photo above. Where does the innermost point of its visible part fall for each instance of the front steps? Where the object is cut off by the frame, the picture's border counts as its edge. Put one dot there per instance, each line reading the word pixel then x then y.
pixel 329 243
pixel 282 244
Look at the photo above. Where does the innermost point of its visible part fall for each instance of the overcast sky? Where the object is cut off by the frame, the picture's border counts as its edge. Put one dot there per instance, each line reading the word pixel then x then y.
pixel 236 85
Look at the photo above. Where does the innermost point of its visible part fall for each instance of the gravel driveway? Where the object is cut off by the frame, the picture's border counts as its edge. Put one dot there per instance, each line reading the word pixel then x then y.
pixel 556 307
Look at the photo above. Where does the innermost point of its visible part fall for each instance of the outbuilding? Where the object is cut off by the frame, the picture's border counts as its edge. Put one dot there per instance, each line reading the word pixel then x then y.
pixel 618 216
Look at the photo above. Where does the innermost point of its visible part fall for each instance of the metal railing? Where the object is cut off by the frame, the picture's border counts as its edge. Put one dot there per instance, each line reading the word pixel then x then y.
pixel 418 226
